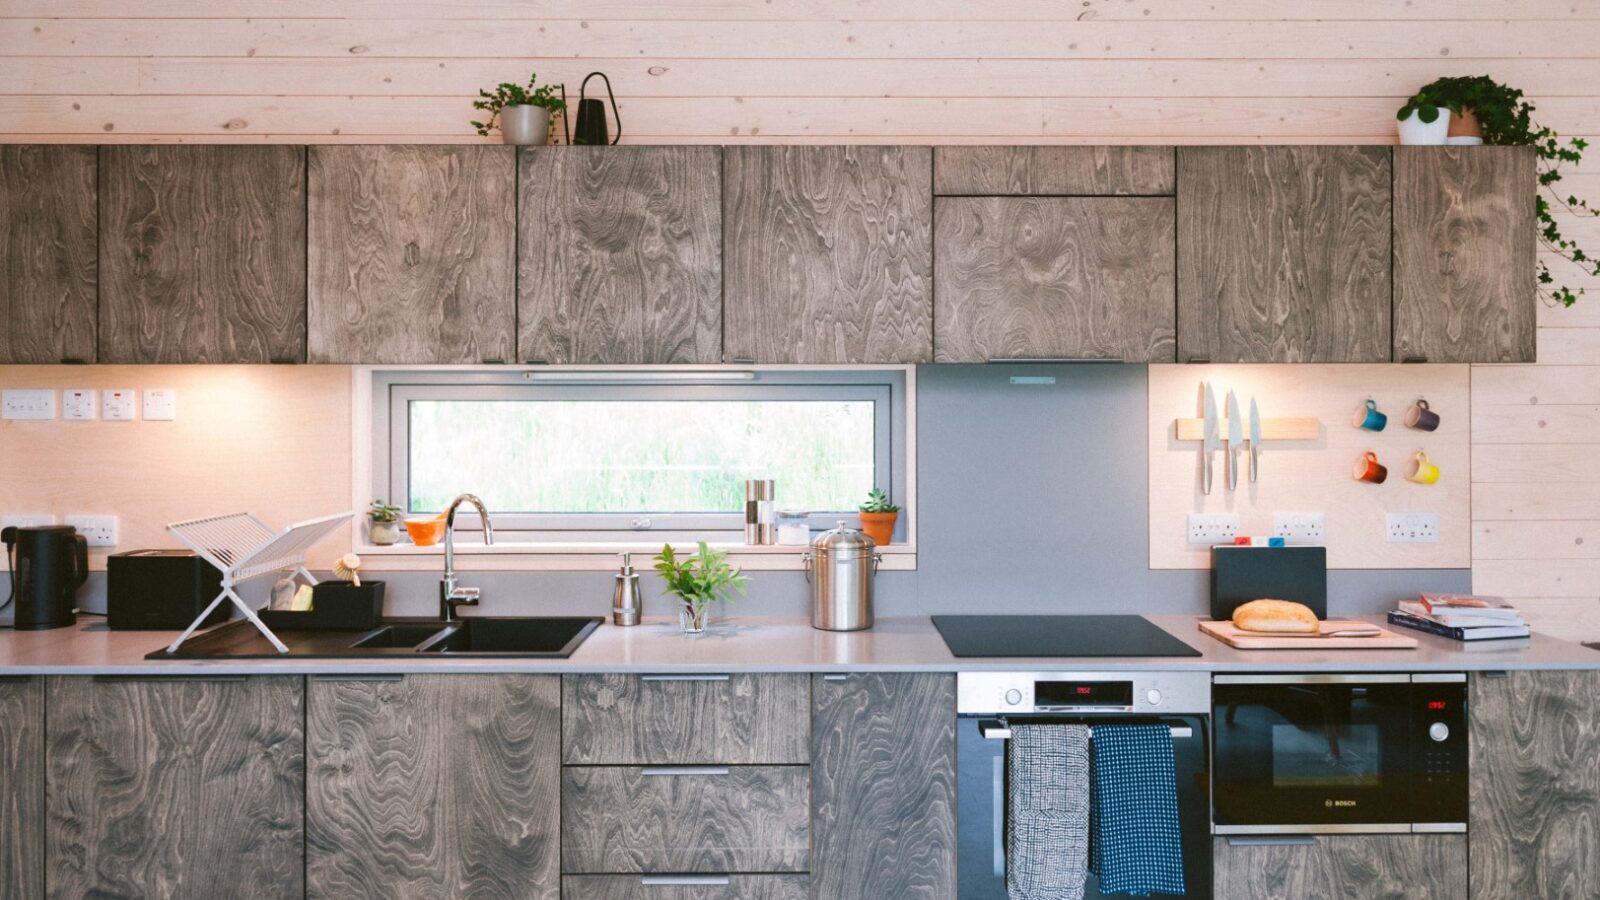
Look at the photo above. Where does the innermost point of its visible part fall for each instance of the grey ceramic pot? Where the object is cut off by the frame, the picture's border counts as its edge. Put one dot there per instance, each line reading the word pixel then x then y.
pixel 525 125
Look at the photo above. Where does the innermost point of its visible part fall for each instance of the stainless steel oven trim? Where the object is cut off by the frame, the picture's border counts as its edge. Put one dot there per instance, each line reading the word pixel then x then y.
pixel 1439 678
pixel 1383 828
pixel 1000 730
pixel 1373 678
pixel 1438 828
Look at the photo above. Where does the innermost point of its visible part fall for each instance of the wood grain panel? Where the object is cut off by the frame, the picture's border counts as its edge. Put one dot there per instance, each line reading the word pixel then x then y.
pixel 22 815
pixel 620 255
pixel 433 786
pixel 1530 502
pixel 202 254
pixel 1054 277
pixel 1093 171
pixel 1496 539
pixel 828 254
pixel 1535 425
pixel 1535 463
pixel 1540 385
pixel 48 209
pixel 741 819
pixel 633 720
pixel 1537 578
pixel 1535 784
pixel 1368 866
pixel 176 788
pixel 411 254
pixel 884 804
pixel 630 887
pixel 1464 242
pixel 1285 254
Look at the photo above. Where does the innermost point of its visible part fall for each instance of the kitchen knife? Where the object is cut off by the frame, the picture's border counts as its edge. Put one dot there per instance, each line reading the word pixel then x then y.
pixel 1255 439
pixel 1210 443
pixel 1235 438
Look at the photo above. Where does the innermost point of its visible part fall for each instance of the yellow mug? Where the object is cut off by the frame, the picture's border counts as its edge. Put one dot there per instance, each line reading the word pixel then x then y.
pixel 1422 470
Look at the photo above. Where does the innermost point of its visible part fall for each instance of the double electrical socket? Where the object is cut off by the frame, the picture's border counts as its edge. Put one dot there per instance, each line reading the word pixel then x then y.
pixel 97 531
pixel 1300 527
pixel 1413 528
pixel 1213 528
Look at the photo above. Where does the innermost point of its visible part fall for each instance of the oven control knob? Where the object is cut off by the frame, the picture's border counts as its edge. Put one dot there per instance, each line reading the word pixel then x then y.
pixel 1013 697
pixel 1439 731
pixel 1154 696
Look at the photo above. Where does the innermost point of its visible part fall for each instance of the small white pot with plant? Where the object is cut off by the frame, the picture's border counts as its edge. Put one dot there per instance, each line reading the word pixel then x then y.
pixel 698 581
pixel 524 115
pixel 383 523
pixel 1423 121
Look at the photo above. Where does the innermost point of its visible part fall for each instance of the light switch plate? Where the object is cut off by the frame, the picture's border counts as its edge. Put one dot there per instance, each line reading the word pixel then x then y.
pixel 28 404
pixel 98 531
pixel 78 404
pixel 160 404
pixel 117 405
pixel 1414 528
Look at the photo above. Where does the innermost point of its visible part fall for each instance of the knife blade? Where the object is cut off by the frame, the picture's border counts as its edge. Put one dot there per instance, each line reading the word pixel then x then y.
pixel 1255 439
pixel 1210 443
pixel 1235 438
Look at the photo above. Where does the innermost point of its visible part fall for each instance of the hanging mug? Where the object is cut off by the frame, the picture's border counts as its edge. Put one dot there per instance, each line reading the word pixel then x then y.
pixel 1370 470
pixel 1368 417
pixel 1423 471
pixel 1421 417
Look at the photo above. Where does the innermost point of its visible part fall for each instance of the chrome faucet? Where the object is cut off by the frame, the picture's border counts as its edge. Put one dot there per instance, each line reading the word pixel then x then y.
pixel 452 595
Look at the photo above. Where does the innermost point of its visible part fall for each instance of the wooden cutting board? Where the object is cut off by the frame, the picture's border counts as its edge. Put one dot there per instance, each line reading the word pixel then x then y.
pixel 1385 639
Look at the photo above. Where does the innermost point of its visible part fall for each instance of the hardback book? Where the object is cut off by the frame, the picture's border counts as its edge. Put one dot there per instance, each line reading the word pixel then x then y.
pixel 1478 633
pixel 1460 618
pixel 1466 604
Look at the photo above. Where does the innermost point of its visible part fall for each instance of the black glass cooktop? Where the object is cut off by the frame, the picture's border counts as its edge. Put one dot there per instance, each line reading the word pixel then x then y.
pixel 1011 636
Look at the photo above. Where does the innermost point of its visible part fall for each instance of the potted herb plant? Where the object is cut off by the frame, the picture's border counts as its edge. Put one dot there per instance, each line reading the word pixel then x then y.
pixel 697 581
pixel 523 114
pixel 1500 115
pixel 383 523
pixel 1423 120
pixel 878 516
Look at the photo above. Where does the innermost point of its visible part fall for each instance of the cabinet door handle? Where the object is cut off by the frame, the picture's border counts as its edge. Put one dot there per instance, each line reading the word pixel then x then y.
pixel 676 771
pixel 384 676
pixel 1286 840
pixel 155 679
pixel 685 677
pixel 835 677
pixel 667 880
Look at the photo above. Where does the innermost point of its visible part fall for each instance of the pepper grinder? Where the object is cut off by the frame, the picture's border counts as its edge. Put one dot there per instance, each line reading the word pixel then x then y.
pixel 626 604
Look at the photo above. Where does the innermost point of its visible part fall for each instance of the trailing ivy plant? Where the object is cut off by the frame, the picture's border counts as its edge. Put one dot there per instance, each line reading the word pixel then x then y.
pixel 1506 118
pixel 508 94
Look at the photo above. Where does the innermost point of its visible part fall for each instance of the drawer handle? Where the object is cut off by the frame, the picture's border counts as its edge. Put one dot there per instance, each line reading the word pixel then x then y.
pixel 673 771
pixel 665 880
pixel 685 677
pixel 163 679
pixel 1274 841
pixel 836 678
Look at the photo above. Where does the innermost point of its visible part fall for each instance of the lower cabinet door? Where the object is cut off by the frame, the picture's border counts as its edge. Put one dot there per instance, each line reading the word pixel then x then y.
pixel 1324 867
pixel 433 786
pixel 683 887
pixel 21 788
pixel 175 787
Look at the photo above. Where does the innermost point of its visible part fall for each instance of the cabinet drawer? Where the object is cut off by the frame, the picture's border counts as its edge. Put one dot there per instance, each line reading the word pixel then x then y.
pixel 712 819
pixel 644 720
pixel 684 887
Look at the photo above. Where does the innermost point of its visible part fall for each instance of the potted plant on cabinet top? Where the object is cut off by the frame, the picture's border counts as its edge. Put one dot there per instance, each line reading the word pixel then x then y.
pixel 1500 115
pixel 878 516
pixel 697 581
pixel 383 523
pixel 522 113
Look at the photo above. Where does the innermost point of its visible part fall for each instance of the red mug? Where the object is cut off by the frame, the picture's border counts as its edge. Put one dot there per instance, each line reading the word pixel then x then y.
pixel 1369 469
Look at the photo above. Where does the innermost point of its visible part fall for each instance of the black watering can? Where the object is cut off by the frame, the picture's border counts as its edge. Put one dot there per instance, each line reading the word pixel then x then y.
pixel 591 125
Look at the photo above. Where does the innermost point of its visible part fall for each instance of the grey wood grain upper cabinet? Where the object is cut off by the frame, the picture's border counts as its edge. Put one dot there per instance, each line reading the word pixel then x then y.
pixel 411 254
pixel 1369 866
pixel 202 254
pixel 883 773
pixel 1285 254
pixel 1055 169
pixel 1535 784
pixel 1465 244
pixel 620 255
pixel 433 786
pixel 828 253
pixel 21 788
pixel 175 788
pixel 47 254
pixel 1054 277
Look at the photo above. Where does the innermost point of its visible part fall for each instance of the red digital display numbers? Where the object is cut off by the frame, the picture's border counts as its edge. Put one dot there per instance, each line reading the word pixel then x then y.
pixel 1437 704
pixel 1084 690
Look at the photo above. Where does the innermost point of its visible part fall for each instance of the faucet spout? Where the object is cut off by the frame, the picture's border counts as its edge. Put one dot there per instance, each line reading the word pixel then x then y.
pixel 452 595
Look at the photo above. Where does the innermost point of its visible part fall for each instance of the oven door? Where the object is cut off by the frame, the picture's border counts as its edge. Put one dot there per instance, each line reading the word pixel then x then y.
pixel 1311 753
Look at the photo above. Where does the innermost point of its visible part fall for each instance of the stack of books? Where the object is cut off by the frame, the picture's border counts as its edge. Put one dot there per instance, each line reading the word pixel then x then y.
pixel 1462 617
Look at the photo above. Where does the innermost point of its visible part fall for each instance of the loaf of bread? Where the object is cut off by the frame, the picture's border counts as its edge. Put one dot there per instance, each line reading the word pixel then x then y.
pixel 1275 616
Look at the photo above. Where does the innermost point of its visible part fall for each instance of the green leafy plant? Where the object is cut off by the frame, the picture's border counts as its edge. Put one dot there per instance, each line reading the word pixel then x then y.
pixel 508 94
pixel 1506 118
pixel 878 502
pixel 700 579
pixel 383 513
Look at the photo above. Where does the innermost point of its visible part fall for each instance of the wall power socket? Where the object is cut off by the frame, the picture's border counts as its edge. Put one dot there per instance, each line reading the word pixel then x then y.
pixel 1213 528
pixel 1413 528
pixel 98 531
pixel 1298 527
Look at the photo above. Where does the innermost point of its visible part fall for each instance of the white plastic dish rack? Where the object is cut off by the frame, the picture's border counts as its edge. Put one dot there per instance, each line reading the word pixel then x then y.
pixel 243 547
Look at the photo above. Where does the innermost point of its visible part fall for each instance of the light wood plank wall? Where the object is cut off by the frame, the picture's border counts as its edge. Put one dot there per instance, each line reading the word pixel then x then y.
pixel 902 71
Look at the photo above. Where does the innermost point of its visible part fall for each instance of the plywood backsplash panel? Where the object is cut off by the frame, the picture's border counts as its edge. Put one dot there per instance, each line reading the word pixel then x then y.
pixel 1315 475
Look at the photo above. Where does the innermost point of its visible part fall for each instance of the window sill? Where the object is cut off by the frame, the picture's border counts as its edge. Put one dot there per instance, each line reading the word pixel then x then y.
pixel 599 556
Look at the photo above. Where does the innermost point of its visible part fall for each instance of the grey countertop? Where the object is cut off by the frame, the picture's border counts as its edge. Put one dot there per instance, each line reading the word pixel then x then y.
pixel 777 645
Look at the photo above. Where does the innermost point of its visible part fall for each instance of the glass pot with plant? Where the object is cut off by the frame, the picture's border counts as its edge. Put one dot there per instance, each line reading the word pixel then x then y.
pixel 697 581
pixel 878 516
pixel 525 115
pixel 383 523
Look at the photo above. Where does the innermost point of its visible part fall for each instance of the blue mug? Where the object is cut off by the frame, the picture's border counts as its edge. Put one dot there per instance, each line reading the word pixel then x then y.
pixel 1369 418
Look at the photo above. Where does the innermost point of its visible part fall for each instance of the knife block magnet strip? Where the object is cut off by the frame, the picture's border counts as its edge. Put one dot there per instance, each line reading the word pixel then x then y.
pixel 1290 428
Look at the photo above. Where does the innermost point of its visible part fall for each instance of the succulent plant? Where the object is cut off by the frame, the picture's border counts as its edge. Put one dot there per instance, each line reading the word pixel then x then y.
pixel 878 502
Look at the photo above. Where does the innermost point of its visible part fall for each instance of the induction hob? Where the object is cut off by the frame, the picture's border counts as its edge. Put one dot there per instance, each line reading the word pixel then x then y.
pixel 1014 636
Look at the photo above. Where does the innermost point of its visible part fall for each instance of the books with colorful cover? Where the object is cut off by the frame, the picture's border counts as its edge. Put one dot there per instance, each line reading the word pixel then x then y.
pixel 1479 633
pixel 1463 618
pixel 1469 605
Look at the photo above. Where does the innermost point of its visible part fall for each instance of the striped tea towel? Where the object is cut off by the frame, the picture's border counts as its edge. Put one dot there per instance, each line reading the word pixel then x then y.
pixel 1135 846
pixel 1047 812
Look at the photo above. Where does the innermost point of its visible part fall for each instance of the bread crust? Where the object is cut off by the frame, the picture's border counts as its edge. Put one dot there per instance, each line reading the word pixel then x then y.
pixel 1275 616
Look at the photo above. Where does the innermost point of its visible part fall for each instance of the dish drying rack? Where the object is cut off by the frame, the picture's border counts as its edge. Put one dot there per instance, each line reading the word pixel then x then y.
pixel 243 547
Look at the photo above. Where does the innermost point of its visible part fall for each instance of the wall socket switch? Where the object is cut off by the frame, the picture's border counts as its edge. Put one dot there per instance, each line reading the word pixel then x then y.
pixel 16 404
pixel 117 405
pixel 78 404
pixel 1213 528
pixel 98 531
pixel 1413 528
pixel 1298 527
pixel 26 520
pixel 160 404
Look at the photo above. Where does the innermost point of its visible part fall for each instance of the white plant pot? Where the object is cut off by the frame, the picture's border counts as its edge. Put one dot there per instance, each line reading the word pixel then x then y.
pixel 527 126
pixel 1415 132
pixel 384 534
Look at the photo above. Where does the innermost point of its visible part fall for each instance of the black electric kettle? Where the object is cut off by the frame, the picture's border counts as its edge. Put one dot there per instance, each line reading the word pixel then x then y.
pixel 591 125
pixel 48 564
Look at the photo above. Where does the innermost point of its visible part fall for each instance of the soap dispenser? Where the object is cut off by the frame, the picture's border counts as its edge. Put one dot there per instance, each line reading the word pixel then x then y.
pixel 625 600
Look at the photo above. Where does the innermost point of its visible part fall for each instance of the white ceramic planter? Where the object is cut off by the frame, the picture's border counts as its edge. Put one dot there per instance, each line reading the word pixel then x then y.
pixel 525 125
pixel 384 533
pixel 1414 131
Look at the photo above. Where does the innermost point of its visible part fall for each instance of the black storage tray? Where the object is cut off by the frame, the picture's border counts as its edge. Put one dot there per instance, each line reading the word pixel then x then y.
pixel 334 605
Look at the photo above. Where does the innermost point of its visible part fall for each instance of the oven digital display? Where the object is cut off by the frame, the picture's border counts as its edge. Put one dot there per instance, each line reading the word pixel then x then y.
pixel 1083 693
pixel 1438 704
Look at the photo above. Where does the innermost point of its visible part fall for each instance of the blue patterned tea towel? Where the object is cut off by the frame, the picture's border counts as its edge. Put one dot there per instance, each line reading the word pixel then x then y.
pixel 1135 843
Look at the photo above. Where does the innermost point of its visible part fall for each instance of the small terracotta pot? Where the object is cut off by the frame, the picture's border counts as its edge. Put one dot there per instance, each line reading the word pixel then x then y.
pixel 1465 125
pixel 879 526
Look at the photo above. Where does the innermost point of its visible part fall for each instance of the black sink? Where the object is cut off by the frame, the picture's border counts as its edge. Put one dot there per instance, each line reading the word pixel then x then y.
pixel 398 637
pixel 555 636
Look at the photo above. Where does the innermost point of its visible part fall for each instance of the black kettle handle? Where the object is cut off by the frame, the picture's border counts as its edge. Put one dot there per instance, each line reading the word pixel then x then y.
pixel 615 115
pixel 80 560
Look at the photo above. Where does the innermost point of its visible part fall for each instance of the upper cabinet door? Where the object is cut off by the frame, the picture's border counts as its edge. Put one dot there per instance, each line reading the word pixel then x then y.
pixel 828 254
pixel 620 255
pixel 47 242
pixel 1054 277
pixel 1465 240
pixel 1065 170
pixel 202 254
pixel 411 254
pixel 1285 254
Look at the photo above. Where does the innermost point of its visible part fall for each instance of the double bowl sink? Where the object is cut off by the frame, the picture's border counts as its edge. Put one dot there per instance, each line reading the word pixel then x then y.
pixel 551 637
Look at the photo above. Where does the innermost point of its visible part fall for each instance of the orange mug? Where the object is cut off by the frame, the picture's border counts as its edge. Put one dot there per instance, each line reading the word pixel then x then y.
pixel 1369 469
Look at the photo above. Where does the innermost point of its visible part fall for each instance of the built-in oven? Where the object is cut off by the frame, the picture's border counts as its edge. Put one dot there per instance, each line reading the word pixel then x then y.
pixel 990 703
pixel 1332 753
